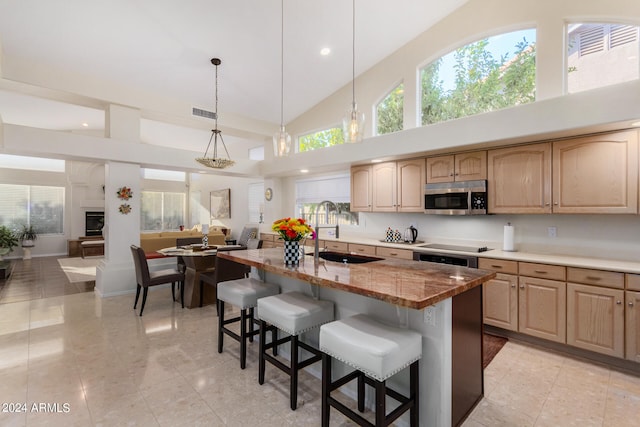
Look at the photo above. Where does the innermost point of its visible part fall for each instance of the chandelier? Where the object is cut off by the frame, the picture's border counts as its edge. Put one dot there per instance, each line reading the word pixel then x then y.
pixel 353 122
pixel 214 161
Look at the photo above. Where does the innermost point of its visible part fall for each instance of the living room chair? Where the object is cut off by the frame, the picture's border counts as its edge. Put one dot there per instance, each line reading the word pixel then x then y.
pixel 248 232
pixel 145 278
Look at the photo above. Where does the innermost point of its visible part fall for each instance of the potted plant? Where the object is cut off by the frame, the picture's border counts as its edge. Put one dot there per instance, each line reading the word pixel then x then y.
pixel 27 236
pixel 8 241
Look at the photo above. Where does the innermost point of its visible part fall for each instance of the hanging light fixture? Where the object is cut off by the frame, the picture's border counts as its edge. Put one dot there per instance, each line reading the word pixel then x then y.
pixel 282 139
pixel 353 122
pixel 216 162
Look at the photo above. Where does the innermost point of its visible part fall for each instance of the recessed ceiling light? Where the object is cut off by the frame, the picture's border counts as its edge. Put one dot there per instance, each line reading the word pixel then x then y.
pixel 376 161
pixel 636 124
pixel 304 170
pixel 325 51
pixel 86 125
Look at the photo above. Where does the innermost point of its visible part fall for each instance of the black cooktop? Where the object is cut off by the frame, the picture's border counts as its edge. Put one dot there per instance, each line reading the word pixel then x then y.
pixel 456 247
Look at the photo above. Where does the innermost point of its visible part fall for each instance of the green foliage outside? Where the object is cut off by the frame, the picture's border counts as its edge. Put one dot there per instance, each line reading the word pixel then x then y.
pixel 389 111
pixel 320 139
pixel 483 83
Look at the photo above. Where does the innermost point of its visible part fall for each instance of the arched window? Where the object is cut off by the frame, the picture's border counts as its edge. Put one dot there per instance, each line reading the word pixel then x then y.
pixel 601 55
pixel 490 74
pixel 320 139
pixel 389 111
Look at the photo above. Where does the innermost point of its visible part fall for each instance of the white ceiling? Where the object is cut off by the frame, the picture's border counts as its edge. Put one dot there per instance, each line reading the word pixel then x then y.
pixel 165 47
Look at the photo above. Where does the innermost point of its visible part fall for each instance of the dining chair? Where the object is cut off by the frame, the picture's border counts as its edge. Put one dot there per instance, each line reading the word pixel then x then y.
pixel 145 278
pixel 230 271
pixel 248 232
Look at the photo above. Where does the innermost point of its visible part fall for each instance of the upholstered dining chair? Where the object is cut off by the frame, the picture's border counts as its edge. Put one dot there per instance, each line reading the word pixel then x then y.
pixel 230 271
pixel 145 278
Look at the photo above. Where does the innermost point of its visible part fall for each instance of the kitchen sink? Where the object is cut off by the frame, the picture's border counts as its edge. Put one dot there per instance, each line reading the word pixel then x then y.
pixel 346 258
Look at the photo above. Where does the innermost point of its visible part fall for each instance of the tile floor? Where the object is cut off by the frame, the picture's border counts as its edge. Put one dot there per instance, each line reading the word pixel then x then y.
pixel 96 363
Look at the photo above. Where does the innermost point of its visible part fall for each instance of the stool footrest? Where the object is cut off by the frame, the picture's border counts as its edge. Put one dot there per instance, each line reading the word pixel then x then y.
pixel 349 413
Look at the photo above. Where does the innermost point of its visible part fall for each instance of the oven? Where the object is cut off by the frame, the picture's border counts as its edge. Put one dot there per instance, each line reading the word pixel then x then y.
pixel 461 259
pixel 456 198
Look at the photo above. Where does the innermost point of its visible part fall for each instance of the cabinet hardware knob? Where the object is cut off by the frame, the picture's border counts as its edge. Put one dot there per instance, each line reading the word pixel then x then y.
pixel 630 303
pixel 593 278
pixel 513 286
pixel 521 286
pixel 555 203
pixel 496 266
pixel 618 302
pixel 540 271
pixel 547 204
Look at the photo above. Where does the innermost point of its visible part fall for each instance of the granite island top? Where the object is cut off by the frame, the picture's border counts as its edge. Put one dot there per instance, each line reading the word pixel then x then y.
pixel 404 283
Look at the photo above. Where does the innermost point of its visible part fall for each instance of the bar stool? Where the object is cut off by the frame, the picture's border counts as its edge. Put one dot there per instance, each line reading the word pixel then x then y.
pixel 243 293
pixel 377 352
pixel 293 313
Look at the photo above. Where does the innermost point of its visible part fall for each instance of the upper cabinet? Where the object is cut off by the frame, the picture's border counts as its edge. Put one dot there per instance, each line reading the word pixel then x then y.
pixel 361 189
pixel 459 167
pixel 520 179
pixel 388 187
pixel 594 174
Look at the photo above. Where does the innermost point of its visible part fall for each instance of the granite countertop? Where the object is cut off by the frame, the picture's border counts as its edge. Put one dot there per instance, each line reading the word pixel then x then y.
pixel 404 283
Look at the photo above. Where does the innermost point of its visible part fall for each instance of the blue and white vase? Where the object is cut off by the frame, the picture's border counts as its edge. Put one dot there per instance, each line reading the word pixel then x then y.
pixel 291 252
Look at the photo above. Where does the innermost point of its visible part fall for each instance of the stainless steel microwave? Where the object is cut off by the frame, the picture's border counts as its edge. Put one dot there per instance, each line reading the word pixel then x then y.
pixel 456 198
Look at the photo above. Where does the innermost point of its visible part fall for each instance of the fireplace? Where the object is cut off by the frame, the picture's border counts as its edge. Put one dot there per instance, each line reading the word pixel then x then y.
pixel 93 223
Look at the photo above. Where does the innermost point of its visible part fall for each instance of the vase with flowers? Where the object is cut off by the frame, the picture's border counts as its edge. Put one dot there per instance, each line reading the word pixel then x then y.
pixel 292 231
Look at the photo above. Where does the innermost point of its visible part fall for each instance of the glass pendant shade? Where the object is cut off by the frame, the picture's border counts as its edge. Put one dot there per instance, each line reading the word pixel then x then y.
pixel 281 143
pixel 353 125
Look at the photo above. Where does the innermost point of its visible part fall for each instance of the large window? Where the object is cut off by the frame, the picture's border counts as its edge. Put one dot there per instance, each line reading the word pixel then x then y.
pixel 389 111
pixel 320 139
pixel 40 206
pixel 487 75
pixel 162 210
pixel 601 55
pixel 310 192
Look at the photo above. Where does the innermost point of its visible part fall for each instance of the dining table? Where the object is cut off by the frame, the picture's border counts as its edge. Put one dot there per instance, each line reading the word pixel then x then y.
pixel 197 261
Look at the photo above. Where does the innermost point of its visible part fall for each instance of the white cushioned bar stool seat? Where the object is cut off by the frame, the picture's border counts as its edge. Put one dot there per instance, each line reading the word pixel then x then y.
pixel 244 294
pixel 377 351
pixel 293 313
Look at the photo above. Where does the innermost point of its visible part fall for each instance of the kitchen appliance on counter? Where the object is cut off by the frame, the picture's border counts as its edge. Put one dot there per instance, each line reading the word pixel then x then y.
pixel 411 234
pixel 456 198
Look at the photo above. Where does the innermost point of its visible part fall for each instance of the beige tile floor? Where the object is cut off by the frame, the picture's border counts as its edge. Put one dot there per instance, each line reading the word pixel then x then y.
pixel 112 368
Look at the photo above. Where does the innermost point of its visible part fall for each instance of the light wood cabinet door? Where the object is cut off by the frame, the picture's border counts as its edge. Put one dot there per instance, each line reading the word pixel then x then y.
pixel 440 169
pixel 411 181
pixel 384 198
pixel 362 249
pixel 596 174
pixel 460 167
pixel 361 189
pixel 500 301
pixel 595 319
pixel 387 252
pixel 542 308
pixel 632 326
pixel 334 245
pixel 519 179
pixel 470 166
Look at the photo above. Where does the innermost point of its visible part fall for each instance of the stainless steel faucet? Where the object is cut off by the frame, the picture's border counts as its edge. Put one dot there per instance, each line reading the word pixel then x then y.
pixel 316 251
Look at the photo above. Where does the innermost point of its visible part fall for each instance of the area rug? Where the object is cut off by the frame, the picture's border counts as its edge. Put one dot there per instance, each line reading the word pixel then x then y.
pixel 79 269
pixel 490 347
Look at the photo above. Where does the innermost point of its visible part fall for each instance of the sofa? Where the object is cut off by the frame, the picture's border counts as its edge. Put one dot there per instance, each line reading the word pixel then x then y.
pixel 151 242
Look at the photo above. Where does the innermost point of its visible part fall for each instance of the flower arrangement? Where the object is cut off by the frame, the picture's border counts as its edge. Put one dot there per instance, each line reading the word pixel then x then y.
pixel 292 229
pixel 124 193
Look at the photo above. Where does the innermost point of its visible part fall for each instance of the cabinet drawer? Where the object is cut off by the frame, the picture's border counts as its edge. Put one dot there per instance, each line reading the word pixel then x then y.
pixel 498 265
pixel 334 246
pixel 267 237
pixel 633 282
pixel 393 253
pixel 543 271
pixel 587 276
pixel 362 249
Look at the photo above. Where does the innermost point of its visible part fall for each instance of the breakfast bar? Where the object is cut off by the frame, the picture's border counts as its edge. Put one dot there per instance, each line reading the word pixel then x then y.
pixel 441 302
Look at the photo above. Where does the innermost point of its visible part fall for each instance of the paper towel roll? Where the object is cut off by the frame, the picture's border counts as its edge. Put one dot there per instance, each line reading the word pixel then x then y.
pixel 507 245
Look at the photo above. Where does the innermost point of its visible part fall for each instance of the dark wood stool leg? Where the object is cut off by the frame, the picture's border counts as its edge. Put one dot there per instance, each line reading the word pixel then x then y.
pixel 251 320
pixel 414 412
pixel 261 361
pixel 293 387
pixel 243 338
pixel 326 388
pixel 361 393
pixel 220 305
pixel 380 403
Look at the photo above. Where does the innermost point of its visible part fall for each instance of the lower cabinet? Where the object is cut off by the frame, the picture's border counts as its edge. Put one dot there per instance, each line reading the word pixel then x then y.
pixel 632 325
pixel 542 308
pixel 500 301
pixel 595 319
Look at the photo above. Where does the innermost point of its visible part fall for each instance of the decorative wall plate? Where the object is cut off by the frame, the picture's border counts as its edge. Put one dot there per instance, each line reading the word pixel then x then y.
pixel 124 193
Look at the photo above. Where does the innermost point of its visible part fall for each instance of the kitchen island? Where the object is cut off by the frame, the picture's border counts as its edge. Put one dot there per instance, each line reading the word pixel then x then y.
pixel 441 302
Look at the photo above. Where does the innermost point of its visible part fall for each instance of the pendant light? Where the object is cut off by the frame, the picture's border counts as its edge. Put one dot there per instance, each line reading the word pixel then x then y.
pixel 353 122
pixel 282 139
pixel 216 162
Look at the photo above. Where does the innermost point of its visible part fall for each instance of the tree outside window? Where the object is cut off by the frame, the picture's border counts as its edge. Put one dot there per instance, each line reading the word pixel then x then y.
pixel 389 111
pixel 320 139
pixel 480 77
